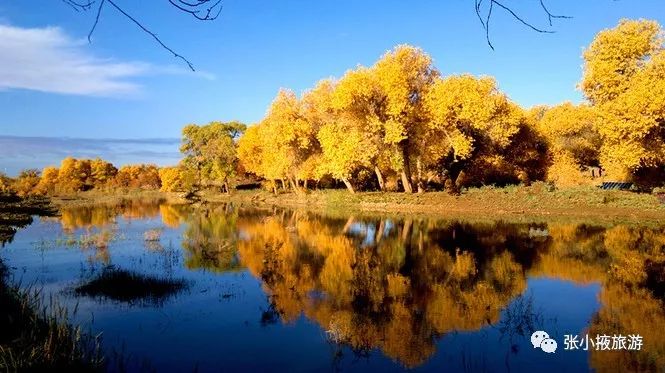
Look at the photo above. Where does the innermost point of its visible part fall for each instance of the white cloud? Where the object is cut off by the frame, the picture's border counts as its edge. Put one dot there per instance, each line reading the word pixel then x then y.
pixel 48 60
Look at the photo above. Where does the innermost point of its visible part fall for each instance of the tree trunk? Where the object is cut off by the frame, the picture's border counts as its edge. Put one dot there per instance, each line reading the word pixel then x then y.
pixel 379 176
pixel 226 187
pixel 348 185
pixel 419 170
pixel 406 167
pixel 406 183
pixel 304 184
pixel 294 185
pixel 283 184
pixel 406 230
pixel 380 231
pixel 349 223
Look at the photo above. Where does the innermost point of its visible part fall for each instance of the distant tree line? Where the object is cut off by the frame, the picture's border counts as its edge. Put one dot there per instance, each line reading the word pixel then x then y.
pixel 77 175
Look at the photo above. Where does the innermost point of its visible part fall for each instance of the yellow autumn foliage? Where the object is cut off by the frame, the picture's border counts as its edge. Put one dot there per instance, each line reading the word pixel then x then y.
pixel 399 124
pixel 624 78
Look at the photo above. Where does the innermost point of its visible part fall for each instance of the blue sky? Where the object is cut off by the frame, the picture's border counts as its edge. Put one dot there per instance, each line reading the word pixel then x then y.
pixel 24 152
pixel 54 84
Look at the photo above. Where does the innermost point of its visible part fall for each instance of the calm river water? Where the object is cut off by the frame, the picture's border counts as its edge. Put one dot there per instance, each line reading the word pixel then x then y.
pixel 274 289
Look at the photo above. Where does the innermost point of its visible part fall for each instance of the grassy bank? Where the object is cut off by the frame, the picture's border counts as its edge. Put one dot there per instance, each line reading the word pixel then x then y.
pixel 17 212
pixel 39 338
pixel 95 197
pixel 534 201
pixel 538 200
pixel 34 337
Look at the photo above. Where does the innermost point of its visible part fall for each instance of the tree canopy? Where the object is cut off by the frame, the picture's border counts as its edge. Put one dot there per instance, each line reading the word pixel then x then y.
pixel 400 119
pixel 210 151
pixel 624 78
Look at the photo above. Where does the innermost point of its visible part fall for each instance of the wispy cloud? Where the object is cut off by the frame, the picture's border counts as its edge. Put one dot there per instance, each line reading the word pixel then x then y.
pixel 49 60
pixel 18 153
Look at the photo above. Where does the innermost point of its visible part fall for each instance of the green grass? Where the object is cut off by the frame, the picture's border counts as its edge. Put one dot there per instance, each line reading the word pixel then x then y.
pixel 537 201
pixel 35 337
pixel 125 286
pixel 113 197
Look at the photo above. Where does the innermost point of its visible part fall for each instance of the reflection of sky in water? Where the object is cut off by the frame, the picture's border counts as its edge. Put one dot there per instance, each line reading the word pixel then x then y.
pixel 490 350
pixel 369 232
pixel 220 321
pixel 17 153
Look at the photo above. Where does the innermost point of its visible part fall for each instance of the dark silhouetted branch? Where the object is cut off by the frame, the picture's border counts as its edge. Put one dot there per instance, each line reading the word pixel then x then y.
pixel 154 36
pixel 200 10
pixel 485 20
pixel 94 25
pixel 79 6
pixel 549 14
pixel 203 10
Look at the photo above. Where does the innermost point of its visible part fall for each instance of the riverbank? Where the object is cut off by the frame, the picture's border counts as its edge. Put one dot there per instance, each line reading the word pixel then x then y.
pixel 536 201
pixel 16 212
pixel 39 338
pixel 114 197
pixel 35 337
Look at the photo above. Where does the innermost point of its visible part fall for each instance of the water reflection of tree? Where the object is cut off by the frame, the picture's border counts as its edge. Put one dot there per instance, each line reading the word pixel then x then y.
pixel 101 215
pixel 628 263
pixel 629 298
pixel 399 285
pixel 210 238
pixel 397 290
pixel 520 319
pixel 98 225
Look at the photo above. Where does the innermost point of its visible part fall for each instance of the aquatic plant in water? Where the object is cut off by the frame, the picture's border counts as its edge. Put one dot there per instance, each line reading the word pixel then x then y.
pixel 130 287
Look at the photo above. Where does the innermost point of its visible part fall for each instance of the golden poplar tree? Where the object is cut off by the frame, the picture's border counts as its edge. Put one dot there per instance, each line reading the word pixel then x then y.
pixel 478 136
pixel 405 75
pixel 360 104
pixel 624 78
pixel 574 141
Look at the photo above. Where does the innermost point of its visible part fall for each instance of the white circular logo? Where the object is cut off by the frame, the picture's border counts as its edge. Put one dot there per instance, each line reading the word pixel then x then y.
pixel 548 345
pixel 537 338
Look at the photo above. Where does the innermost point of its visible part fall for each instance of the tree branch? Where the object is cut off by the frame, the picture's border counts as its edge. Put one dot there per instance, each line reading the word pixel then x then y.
pixel 211 13
pixel 77 6
pixel 154 36
pixel 485 21
pixel 94 25
pixel 209 10
pixel 549 14
pixel 203 10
